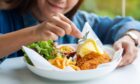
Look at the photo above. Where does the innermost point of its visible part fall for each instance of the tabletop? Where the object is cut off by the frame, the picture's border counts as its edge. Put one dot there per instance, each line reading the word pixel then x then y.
pixel 14 71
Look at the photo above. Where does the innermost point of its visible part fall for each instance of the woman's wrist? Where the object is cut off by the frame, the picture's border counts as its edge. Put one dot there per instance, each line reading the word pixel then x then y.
pixel 133 34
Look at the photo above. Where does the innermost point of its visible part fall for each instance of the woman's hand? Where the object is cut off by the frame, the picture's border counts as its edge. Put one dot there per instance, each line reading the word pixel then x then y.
pixel 130 50
pixel 56 26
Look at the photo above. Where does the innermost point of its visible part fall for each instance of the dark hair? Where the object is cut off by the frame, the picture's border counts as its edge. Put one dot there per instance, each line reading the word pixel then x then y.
pixel 25 5
pixel 12 4
pixel 73 11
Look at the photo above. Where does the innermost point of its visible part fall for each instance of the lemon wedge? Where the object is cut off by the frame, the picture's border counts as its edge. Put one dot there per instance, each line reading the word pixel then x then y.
pixel 87 47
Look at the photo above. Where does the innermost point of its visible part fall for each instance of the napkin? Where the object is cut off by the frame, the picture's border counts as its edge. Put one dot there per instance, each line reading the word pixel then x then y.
pixel 38 60
pixel 91 34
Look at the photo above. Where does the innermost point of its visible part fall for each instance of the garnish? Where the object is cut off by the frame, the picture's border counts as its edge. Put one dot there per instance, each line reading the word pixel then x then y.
pixel 46 49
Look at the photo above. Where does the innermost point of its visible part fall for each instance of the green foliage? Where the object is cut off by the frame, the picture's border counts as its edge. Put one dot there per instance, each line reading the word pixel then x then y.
pixel 112 8
pixel 46 49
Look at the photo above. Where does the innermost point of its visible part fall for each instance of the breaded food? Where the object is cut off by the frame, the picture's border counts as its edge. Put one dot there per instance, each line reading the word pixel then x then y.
pixel 88 46
pixel 90 55
pixel 92 60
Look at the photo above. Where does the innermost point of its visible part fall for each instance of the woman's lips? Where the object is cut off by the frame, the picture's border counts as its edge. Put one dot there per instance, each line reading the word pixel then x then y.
pixel 56 7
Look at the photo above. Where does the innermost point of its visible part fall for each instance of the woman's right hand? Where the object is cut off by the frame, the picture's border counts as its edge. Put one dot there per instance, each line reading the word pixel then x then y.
pixel 56 26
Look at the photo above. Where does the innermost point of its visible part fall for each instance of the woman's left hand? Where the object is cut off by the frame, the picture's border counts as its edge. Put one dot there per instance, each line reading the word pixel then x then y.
pixel 130 50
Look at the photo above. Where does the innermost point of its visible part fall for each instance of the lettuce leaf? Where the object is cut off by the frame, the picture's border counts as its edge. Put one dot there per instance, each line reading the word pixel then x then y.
pixel 46 49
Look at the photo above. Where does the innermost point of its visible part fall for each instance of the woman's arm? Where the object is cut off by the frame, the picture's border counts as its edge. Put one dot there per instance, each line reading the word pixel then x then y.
pixel 13 41
pixel 48 30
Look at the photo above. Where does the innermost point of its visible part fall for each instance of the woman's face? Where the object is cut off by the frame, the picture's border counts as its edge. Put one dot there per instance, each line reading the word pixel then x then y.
pixel 47 8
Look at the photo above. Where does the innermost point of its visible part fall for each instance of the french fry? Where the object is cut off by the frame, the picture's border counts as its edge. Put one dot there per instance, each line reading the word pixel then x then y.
pixel 62 62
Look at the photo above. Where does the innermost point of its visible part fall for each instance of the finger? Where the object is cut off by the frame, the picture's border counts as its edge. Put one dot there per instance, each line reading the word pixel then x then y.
pixel 135 51
pixel 55 29
pixel 120 64
pixel 129 56
pixel 117 46
pixel 62 24
pixel 125 56
pixel 75 31
pixel 124 61
pixel 51 36
pixel 127 59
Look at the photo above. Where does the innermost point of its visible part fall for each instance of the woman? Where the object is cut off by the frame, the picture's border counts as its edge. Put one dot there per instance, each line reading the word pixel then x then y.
pixel 25 21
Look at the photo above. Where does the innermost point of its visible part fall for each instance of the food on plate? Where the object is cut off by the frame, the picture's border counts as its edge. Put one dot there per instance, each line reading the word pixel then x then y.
pixel 47 49
pixel 89 55
pixel 88 46
pixel 62 62
pixel 67 51
pixel 59 57
pixel 92 60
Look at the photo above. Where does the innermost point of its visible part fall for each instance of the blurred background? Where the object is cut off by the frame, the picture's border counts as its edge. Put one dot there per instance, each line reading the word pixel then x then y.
pixel 113 8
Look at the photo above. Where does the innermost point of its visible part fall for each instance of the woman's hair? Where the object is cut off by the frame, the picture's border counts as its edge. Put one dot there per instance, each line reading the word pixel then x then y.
pixel 73 11
pixel 24 6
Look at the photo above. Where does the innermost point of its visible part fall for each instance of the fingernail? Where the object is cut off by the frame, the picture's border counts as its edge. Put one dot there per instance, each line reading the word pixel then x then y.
pixel 80 35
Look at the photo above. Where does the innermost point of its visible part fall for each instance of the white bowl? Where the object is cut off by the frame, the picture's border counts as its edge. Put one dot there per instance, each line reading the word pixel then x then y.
pixel 100 71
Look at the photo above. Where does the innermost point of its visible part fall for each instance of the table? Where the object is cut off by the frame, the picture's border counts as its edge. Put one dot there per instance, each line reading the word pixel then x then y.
pixel 14 71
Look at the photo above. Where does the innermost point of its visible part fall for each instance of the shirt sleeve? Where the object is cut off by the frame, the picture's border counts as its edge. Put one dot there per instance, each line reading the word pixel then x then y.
pixel 107 29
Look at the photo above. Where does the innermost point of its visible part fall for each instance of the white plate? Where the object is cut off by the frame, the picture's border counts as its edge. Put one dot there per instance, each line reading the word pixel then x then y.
pixel 78 75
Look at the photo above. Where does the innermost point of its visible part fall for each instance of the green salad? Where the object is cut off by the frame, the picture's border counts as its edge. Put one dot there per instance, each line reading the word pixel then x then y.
pixel 46 49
